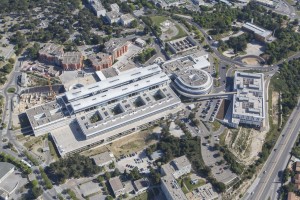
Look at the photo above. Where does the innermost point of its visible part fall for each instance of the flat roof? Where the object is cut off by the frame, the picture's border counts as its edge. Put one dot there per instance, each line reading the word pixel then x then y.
pixel 115 43
pixel 124 77
pixel 127 17
pixel 193 77
pixel 71 138
pixel 249 99
pixel 181 162
pixel 116 184
pixel 102 158
pixel 5 167
pixel 107 119
pixel 257 30
pixel 52 49
pixel 173 187
pixel 97 5
pixel 114 93
pixel 72 58
pixel 206 192
pixel 186 62
pixel 44 114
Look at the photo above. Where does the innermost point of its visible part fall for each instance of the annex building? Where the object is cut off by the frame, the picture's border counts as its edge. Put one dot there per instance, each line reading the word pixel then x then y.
pixel 248 104
pixel 260 34
pixel 107 110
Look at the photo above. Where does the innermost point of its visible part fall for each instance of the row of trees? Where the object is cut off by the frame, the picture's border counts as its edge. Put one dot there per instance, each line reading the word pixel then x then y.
pixel 7 158
pixel 288 83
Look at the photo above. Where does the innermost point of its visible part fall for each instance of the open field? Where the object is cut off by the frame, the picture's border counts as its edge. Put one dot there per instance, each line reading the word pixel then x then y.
pixel 129 144
pixel 157 20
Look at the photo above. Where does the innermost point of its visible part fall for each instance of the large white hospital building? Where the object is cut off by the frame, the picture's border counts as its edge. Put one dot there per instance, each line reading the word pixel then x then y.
pixel 107 110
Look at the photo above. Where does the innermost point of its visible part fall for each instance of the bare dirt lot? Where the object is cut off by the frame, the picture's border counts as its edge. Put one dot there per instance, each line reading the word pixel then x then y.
pixel 250 61
pixel 275 111
pixel 245 143
pixel 129 144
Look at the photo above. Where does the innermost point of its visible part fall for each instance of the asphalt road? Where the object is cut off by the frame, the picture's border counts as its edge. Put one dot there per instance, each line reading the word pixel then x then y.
pixel 268 181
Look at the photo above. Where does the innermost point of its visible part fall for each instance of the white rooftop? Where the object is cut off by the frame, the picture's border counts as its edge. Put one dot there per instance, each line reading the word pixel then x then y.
pixel 257 30
pixel 114 93
pixel 249 99
pixel 122 78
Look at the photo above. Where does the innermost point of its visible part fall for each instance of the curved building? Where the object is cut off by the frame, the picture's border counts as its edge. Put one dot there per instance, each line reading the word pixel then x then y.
pixel 192 82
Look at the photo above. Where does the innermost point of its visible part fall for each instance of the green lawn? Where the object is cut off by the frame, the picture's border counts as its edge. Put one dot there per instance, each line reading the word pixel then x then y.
pixel 181 33
pixel 144 196
pixel 190 186
pixel 216 125
pixel 157 20
pixel 11 90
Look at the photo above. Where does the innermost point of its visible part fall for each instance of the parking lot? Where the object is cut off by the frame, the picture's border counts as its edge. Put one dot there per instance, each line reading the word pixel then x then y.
pixel 208 110
pixel 215 161
pixel 138 159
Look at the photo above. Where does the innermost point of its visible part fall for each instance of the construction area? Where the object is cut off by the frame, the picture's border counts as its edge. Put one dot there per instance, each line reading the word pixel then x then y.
pixel 244 143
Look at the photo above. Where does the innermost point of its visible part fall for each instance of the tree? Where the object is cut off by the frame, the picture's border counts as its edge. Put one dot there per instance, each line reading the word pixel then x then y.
pixel 155 176
pixel 37 191
pixel 10 145
pixel 109 198
pixel 134 174
pixel 134 23
pixel 100 178
pixel 111 165
pixel 116 172
pixel 107 175
pixel 33 51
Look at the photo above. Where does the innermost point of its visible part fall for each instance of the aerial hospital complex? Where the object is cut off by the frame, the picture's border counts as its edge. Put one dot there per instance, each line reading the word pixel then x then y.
pixel 99 113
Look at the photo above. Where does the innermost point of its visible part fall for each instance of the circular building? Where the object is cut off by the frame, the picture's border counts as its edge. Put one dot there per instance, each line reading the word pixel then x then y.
pixel 192 83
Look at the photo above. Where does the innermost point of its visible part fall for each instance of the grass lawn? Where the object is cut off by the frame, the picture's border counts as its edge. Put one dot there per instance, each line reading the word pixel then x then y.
pixel 157 20
pixel 144 196
pixel 181 33
pixel 216 125
pixel 190 186
pixel 11 90
pixel 222 137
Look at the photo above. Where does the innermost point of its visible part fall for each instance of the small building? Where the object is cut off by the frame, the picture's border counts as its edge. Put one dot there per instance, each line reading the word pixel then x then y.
pixel 126 19
pixel 51 53
pixel 268 3
pixel 259 33
pixel 5 170
pixel 97 7
pixel 113 17
pixel 141 185
pixel 116 47
pixel 117 186
pixel 72 61
pixel 114 7
pixel 206 192
pixel 297 181
pixel 140 42
pixel 172 171
pixel 101 61
pixel 292 196
pixel 103 159
pixel 297 166
pixel 182 44
pixel 171 189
